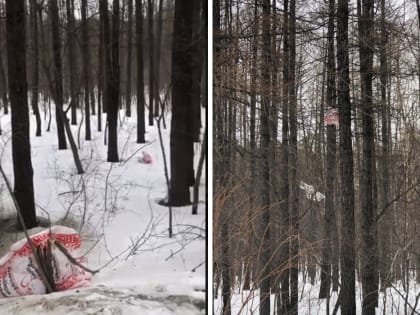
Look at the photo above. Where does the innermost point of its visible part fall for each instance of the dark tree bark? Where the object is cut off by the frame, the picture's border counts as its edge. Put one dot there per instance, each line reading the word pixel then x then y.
pixel 197 67
pixel 199 172
pixel 101 67
pixel 294 196
pixel 252 144
pixel 204 51
pixel 348 298
pixel 366 39
pixel 3 82
pixel 203 90
pixel 57 89
pixel 284 170
pixel 141 128
pixel 72 61
pixel 181 141
pixel 57 84
pixel 86 68
pixel 3 85
pixel 159 56
pixel 275 231
pixel 3 79
pixel 129 57
pixel 35 65
pixel 153 111
pixel 204 100
pixel 103 8
pixel 21 147
pixel 46 69
pixel 265 156
pixel 113 80
pixel 385 222
pixel 330 227
pixel 91 91
pixel 221 175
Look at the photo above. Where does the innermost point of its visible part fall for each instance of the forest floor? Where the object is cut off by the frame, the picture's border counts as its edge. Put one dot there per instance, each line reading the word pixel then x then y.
pixel 123 228
pixel 395 301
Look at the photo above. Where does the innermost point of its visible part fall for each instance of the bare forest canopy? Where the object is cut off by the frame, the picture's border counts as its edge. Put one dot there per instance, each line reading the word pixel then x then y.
pixel 93 37
pixel 282 71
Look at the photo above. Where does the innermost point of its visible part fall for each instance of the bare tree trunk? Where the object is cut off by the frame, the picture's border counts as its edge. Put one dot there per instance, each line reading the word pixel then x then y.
pixel 114 84
pixel 221 175
pixel 199 172
pixel 3 84
pixel 129 57
pixel 103 7
pixel 330 226
pixel 159 55
pixel 294 197
pixel 58 88
pixel 275 216
pixel 265 159
pixel 35 65
pixel 348 298
pixel 140 76
pixel 284 171
pixel 86 68
pixel 248 266
pixel 367 217
pixel 153 111
pixel 204 89
pixel 3 78
pixel 101 72
pixel 181 140
pixel 58 76
pixel 92 92
pixel 197 67
pixel 72 60
pixel 385 224
pixel 21 147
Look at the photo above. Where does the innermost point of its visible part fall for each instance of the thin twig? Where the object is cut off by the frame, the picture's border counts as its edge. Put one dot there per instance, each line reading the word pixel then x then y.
pixel 135 152
pixel 394 200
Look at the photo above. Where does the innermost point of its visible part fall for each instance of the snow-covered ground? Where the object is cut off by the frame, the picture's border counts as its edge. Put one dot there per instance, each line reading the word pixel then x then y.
pixel 246 302
pixel 124 229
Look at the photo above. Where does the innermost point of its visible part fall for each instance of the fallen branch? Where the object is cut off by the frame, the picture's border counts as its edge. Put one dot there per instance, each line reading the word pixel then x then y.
pixel 69 192
pixel 198 266
pixel 71 258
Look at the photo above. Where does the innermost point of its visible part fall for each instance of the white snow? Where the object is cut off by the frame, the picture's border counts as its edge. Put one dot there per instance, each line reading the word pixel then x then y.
pixel 392 302
pixel 122 226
